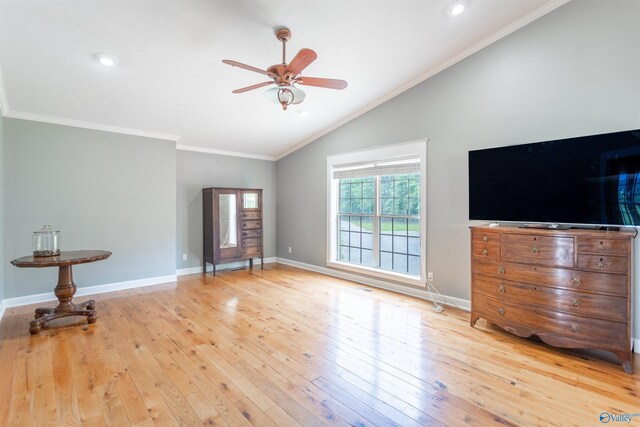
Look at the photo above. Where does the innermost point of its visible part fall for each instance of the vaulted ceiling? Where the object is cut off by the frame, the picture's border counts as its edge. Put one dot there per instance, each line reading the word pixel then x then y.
pixel 170 82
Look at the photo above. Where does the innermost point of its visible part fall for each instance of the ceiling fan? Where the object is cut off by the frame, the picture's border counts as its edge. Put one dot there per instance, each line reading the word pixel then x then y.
pixel 286 76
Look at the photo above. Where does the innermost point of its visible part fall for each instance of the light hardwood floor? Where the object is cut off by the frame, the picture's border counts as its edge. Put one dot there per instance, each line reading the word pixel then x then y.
pixel 285 346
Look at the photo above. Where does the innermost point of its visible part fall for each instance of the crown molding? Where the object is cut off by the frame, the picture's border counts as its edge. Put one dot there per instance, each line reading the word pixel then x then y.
pixel 516 25
pixel 224 152
pixel 89 125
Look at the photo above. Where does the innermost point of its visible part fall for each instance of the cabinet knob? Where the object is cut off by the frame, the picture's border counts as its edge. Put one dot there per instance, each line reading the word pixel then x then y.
pixel 501 311
pixel 575 328
pixel 575 303
pixel 534 250
pixel 485 252
pixel 485 239
pixel 501 270
pixel 576 280
pixel 501 289
pixel 601 247
pixel 601 265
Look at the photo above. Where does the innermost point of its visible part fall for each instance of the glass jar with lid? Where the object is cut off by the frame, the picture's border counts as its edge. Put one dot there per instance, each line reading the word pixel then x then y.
pixel 46 241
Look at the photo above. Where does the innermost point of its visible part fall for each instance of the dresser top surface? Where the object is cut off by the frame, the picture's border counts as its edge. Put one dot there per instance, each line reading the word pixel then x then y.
pixel 595 233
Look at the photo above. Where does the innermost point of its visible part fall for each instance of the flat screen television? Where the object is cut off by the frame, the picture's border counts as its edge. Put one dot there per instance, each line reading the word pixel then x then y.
pixel 591 180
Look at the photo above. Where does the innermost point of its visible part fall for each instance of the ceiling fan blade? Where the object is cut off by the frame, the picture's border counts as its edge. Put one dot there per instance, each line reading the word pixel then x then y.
pixel 245 66
pixel 252 87
pixel 320 82
pixel 301 61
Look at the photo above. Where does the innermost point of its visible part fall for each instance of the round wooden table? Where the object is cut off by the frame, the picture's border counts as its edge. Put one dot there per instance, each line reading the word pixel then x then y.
pixel 65 289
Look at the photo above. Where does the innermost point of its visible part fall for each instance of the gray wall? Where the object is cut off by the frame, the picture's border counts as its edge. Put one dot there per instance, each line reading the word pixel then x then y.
pixel 1 207
pixel 196 171
pixel 573 72
pixel 101 190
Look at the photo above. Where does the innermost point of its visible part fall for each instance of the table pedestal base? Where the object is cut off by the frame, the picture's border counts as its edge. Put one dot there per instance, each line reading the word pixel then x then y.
pixel 65 289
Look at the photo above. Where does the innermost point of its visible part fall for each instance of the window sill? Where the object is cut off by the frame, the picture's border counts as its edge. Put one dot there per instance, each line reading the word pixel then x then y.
pixel 378 273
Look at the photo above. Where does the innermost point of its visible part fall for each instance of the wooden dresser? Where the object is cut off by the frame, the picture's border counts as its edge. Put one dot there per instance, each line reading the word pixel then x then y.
pixel 232 226
pixel 571 288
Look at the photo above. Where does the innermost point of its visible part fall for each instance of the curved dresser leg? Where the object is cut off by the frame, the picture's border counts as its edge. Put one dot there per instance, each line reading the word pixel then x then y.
pixel 625 360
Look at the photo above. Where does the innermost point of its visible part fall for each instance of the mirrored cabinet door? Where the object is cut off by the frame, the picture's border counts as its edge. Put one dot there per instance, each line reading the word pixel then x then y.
pixel 228 224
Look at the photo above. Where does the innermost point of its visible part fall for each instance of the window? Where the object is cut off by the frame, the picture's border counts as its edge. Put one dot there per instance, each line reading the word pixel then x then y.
pixel 375 202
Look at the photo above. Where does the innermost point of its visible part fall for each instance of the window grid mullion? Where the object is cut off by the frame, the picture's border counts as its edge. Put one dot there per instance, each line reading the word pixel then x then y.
pixel 375 255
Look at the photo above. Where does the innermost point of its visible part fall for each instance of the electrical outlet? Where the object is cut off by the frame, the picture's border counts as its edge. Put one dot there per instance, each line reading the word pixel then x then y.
pixel 430 276
pixel 289 249
pixel 184 257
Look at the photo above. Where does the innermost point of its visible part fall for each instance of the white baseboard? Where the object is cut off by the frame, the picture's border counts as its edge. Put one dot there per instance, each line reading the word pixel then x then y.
pixel 220 267
pixel 88 290
pixel 3 307
pixel 636 345
pixel 406 290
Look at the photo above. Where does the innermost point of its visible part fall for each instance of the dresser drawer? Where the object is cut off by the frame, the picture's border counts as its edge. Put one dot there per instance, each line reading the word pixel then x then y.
pixel 541 321
pixel 583 281
pixel 608 263
pixel 251 224
pixel 542 250
pixel 251 242
pixel 485 250
pixel 603 246
pixel 573 302
pixel 483 236
pixel 252 233
pixel 250 215
pixel 255 250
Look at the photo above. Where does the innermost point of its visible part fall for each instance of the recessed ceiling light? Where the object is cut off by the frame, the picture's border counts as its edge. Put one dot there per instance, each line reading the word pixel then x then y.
pixel 105 59
pixel 457 8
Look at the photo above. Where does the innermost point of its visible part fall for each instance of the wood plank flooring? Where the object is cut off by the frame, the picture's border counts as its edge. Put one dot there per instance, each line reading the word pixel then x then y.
pixel 287 347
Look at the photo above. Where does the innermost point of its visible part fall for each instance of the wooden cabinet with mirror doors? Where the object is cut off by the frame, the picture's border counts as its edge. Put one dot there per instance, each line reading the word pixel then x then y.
pixel 232 226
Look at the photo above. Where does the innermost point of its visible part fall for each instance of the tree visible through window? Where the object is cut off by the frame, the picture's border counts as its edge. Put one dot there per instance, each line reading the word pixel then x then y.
pixel 379 222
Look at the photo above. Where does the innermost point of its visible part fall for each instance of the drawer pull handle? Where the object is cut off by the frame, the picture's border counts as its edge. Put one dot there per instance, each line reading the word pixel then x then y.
pixel 501 311
pixel 575 328
pixel 601 265
pixel 485 239
pixel 485 252
pixel 501 270
pixel 601 247
pixel 575 303
pixel 501 289
pixel 534 250
pixel 576 280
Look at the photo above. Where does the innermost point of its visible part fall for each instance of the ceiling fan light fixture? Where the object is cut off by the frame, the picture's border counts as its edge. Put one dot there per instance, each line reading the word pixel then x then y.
pixel 285 95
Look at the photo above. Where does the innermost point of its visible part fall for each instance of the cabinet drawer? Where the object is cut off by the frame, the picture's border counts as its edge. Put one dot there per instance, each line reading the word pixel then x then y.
pixel 252 233
pixel 250 215
pixel 543 250
pixel 541 322
pixel 485 236
pixel 251 224
pixel 583 281
pixel 580 303
pixel 485 250
pixel 612 264
pixel 255 250
pixel 603 246
pixel 251 242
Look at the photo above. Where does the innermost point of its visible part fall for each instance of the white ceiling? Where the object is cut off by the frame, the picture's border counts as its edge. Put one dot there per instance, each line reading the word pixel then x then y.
pixel 170 81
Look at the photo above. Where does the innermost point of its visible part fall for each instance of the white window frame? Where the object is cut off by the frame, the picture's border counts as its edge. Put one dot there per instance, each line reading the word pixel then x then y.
pixel 385 153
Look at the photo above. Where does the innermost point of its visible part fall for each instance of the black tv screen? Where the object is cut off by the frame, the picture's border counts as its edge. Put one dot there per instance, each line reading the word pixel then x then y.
pixel 591 180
